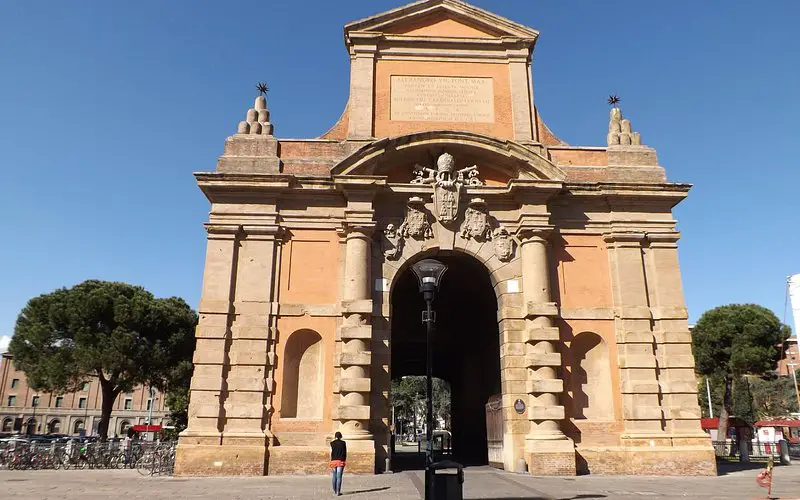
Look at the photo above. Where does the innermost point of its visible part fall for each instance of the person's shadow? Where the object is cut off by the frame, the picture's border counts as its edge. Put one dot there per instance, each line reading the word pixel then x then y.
pixel 356 492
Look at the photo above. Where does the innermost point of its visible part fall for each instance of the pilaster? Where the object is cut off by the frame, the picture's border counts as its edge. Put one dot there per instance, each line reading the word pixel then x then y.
pixel 673 339
pixel 362 85
pixel 252 352
pixel 641 394
pixel 208 387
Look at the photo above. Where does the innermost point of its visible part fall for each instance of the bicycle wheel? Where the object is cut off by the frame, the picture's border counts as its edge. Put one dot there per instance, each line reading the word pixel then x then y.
pixel 144 465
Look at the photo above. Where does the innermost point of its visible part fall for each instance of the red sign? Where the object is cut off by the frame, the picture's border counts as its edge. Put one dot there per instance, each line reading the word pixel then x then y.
pixel 146 428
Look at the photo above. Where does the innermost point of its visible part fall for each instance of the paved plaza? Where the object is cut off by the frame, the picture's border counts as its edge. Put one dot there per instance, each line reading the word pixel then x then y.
pixel 481 483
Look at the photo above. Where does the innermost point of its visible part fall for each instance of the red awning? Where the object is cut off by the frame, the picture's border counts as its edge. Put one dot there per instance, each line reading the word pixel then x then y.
pixel 713 423
pixel 146 428
pixel 779 422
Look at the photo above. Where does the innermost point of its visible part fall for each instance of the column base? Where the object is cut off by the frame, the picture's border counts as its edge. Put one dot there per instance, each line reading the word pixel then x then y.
pixel 300 460
pixel 550 457
pixel 648 461
pixel 222 455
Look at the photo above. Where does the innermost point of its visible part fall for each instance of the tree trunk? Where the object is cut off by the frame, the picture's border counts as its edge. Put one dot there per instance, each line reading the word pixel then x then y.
pixel 725 411
pixel 110 394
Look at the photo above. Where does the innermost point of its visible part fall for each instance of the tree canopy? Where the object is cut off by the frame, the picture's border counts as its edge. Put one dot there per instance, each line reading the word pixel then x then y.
pixel 731 341
pixel 117 332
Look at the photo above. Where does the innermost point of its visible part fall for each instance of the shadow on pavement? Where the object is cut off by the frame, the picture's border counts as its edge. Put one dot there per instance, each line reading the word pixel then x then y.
pixel 577 497
pixel 356 492
pixel 725 468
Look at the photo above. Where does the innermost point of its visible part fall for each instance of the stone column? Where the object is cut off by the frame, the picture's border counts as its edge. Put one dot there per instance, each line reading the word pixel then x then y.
pixel 641 393
pixel 547 450
pixel 356 333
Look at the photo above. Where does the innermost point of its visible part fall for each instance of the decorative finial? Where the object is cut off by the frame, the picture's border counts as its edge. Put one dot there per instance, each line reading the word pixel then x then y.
pixel 262 88
pixel 613 100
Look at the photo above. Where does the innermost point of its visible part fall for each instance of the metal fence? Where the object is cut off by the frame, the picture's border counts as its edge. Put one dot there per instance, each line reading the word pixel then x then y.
pixel 146 457
pixel 756 450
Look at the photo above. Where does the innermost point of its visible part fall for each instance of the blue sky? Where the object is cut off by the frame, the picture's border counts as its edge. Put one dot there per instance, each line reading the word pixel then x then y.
pixel 106 109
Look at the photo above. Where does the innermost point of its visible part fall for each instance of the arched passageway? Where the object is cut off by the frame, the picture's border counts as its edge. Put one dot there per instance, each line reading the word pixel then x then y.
pixel 466 348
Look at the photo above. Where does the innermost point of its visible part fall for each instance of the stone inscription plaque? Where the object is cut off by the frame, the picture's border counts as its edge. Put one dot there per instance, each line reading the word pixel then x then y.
pixel 442 99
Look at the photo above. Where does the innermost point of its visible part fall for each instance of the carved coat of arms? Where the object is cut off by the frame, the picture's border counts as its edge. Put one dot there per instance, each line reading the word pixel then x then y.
pixel 447 183
pixel 476 221
pixel 503 244
pixel 416 223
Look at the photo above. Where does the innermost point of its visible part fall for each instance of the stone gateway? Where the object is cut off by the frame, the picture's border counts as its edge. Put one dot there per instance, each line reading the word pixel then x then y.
pixel 561 329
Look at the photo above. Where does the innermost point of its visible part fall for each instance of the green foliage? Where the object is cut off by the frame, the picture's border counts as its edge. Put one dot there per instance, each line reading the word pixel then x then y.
pixel 738 339
pixel 717 394
pixel 408 398
pixel 735 340
pixel 118 332
pixel 743 401
pixel 774 397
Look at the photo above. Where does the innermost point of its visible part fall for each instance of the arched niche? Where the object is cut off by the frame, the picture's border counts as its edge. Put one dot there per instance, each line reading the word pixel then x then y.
pixel 591 378
pixel 302 389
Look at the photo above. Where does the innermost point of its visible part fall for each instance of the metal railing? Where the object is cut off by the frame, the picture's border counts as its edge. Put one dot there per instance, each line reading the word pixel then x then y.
pixel 756 450
pixel 146 457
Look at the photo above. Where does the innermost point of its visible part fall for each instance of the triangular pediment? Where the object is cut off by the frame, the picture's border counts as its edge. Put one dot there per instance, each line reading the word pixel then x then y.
pixel 441 18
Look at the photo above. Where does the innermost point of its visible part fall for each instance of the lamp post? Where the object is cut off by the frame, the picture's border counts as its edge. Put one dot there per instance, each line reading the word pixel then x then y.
pixel 34 403
pixel 429 274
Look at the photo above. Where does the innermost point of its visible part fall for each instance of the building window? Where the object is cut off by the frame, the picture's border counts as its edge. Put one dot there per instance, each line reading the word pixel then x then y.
pixel 12 401
pixel 123 427
pixel 149 404
pixel 82 403
pixel 8 425
pixel 85 387
pixel 35 401
pixel 59 401
pixel 15 383
pixel 128 404
pixel 77 427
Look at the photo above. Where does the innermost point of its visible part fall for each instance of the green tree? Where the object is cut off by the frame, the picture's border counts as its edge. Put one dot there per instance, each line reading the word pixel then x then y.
pixel 117 332
pixel 743 400
pixel 774 397
pixel 735 340
pixel 717 394
pixel 177 395
pixel 441 401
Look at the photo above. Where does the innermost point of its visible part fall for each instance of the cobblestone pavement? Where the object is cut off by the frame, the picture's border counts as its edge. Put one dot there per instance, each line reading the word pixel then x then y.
pixel 481 483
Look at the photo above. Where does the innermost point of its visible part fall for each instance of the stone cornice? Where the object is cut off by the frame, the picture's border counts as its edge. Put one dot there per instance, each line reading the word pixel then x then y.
pixel 624 195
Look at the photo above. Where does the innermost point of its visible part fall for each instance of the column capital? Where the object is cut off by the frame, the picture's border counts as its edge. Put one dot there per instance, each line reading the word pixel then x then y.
pixel 360 229
pixel 222 231
pixel 534 234
pixel 663 240
pixel 624 238
pixel 265 232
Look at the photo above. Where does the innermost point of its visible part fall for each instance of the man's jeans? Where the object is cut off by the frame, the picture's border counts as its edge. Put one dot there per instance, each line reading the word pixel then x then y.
pixel 337 479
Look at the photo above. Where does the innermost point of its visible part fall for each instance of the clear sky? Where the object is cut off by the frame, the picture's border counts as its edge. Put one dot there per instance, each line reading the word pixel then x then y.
pixel 106 109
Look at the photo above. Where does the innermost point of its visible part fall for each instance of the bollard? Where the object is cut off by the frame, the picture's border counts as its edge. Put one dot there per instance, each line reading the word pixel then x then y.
pixel 785 458
pixel 522 467
pixel 388 468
